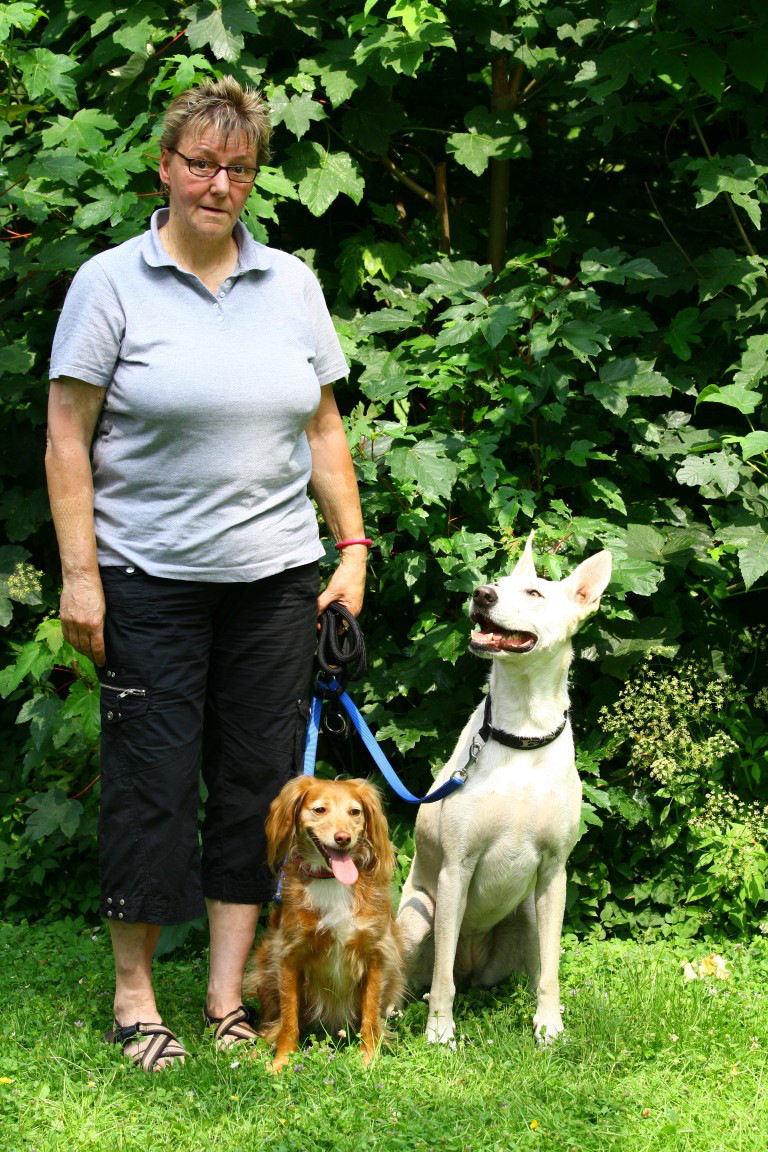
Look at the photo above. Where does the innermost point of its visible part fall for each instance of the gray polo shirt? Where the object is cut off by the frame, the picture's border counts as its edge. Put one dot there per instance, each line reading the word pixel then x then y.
pixel 200 460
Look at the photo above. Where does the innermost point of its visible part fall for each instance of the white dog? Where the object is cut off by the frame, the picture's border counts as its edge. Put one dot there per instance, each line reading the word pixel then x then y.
pixel 486 892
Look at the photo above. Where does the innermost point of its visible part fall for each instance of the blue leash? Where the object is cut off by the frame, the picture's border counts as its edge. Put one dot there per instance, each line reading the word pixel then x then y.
pixel 336 691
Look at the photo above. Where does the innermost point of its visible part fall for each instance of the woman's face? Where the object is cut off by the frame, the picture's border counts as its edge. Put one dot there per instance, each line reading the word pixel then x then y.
pixel 208 208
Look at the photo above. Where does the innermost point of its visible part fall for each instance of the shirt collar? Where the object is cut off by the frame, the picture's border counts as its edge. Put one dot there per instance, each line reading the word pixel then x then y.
pixel 252 255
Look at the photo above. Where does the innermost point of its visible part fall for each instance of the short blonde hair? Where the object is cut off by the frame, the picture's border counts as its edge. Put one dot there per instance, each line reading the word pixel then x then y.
pixel 225 106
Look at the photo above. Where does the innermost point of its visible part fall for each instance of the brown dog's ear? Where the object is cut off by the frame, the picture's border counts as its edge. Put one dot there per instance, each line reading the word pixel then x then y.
pixel 376 830
pixel 281 821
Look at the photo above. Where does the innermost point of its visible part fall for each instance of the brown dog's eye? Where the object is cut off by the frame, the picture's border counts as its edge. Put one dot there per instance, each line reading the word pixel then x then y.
pixel 534 592
pixel 354 811
pixel 319 811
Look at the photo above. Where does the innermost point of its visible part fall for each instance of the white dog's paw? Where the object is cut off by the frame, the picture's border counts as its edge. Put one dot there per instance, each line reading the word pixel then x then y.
pixel 547 1029
pixel 441 1029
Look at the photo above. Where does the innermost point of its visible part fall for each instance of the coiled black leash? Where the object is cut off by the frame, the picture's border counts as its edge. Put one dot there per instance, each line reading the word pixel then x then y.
pixel 342 657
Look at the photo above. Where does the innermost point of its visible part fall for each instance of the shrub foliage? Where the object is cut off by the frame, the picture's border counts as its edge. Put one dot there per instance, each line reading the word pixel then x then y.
pixel 539 229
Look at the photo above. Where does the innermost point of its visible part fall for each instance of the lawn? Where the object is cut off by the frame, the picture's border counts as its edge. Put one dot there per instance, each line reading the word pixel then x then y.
pixel 652 1062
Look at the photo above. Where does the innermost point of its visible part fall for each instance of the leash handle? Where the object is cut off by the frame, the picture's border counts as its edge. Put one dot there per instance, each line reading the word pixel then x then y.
pixel 341 644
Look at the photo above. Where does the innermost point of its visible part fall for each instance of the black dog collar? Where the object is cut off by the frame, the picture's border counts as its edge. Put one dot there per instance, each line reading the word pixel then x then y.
pixel 487 732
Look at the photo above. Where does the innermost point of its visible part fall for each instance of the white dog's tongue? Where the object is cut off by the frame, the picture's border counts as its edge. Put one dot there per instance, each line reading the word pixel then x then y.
pixel 342 866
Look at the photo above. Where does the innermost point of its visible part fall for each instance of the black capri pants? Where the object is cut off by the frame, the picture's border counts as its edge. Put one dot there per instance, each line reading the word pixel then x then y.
pixel 211 675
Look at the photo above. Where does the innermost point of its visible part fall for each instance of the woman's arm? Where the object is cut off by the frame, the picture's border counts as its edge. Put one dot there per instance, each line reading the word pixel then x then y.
pixel 334 487
pixel 73 410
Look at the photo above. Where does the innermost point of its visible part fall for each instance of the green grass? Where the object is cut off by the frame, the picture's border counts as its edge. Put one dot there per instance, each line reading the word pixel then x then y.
pixel 651 1063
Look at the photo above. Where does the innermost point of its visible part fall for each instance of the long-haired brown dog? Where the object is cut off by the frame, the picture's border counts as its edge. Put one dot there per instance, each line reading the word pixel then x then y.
pixel 332 954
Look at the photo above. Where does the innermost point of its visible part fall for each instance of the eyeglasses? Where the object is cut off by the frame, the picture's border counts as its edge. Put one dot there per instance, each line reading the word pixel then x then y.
pixel 206 169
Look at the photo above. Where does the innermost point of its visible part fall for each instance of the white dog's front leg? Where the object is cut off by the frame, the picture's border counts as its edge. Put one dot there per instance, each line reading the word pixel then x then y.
pixel 550 906
pixel 450 904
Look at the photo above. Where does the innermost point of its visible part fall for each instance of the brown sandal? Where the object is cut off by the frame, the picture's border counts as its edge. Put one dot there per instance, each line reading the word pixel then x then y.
pixel 236 1028
pixel 162 1044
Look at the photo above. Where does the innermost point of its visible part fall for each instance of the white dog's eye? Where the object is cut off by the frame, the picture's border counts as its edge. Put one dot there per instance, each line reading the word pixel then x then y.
pixel 534 592
pixel 354 811
pixel 318 811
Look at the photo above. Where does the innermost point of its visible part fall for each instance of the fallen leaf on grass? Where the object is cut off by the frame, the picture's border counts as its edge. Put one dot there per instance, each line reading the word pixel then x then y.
pixel 713 966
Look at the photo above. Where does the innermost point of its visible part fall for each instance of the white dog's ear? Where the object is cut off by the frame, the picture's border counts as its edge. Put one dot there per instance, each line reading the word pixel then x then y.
pixel 586 584
pixel 525 569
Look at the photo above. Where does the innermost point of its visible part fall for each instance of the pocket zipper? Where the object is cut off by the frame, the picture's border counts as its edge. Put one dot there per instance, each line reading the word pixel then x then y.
pixel 123 692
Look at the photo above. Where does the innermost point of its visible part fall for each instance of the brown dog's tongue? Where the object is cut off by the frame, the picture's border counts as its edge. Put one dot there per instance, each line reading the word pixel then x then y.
pixel 342 866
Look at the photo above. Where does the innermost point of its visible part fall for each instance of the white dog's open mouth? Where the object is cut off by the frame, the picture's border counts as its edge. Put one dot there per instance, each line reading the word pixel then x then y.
pixel 491 638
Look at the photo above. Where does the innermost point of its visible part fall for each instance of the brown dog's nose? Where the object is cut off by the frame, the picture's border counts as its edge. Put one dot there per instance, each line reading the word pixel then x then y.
pixel 342 839
pixel 484 596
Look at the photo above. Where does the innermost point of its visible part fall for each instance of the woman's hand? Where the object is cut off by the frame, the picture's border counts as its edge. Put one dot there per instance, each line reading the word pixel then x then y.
pixel 347 585
pixel 82 616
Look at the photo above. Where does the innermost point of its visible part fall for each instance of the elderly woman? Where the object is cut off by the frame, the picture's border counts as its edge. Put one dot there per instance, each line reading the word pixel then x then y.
pixel 196 366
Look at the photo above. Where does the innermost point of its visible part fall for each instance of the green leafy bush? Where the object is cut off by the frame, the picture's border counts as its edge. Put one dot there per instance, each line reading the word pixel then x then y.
pixel 48 799
pixel 538 227
pixel 678 790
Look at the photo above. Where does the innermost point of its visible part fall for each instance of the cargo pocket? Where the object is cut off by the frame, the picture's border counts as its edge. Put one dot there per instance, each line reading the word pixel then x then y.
pixel 125 744
pixel 119 702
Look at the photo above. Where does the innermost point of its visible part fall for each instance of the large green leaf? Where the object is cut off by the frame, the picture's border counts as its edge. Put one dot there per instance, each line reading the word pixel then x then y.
pixel 738 176
pixel 745 400
pixel 40 712
pixel 748 60
pixel 106 205
pixel 220 26
pixel 51 812
pixel 488 137
pixel 750 541
pixel 427 466
pixel 296 112
pixel 718 469
pixel 753 444
pixel 135 36
pixel 84 131
pixel 456 279
pixel 83 702
pixel 753 365
pixel 45 73
pixel 683 332
pixel 708 68
pixel 59 164
pixel 753 559
pixel 721 268
pixel 321 176
pixel 18 15
pixel 625 378
pixel 612 266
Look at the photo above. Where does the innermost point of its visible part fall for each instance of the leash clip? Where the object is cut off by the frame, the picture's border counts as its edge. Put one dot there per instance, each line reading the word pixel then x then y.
pixel 475 749
pixel 330 691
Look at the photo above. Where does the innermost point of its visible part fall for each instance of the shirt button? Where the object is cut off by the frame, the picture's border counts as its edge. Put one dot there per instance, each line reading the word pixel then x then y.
pixel 222 295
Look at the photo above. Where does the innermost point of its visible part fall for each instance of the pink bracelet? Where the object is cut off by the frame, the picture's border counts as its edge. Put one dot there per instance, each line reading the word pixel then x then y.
pixel 345 543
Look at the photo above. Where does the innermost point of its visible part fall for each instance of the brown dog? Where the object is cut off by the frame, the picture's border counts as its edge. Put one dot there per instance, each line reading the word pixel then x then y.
pixel 332 954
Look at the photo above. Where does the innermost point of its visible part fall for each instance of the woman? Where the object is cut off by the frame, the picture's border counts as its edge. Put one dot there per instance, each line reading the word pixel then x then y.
pixel 203 363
